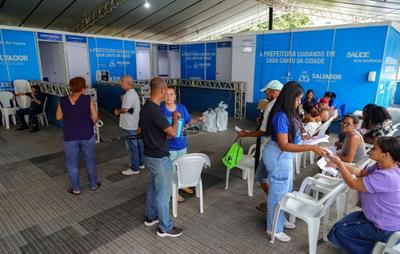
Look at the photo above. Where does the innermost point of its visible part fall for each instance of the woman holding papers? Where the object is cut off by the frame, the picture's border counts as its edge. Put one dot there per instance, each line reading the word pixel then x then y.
pixel 379 188
pixel 353 146
pixel 284 128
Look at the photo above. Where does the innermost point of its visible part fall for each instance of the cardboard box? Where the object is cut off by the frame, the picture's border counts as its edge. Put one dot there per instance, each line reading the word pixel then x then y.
pixel 262 104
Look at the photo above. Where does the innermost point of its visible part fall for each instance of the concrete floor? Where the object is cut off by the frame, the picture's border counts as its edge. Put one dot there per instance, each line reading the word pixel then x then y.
pixel 38 216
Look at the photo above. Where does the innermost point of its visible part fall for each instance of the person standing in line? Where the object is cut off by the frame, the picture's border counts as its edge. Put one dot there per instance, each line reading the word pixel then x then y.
pixel 283 126
pixel 156 129
pixel 80 115
pixel 129 123
pixel 271 90
pixel 178 145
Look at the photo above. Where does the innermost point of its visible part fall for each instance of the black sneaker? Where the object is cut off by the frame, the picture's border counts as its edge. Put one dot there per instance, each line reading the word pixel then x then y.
pixel 175 232
pixel 34 128
pixel 149 222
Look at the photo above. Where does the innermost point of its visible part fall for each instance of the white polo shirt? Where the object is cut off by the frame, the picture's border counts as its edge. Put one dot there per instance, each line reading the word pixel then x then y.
pixel 130 100
pixel 263 126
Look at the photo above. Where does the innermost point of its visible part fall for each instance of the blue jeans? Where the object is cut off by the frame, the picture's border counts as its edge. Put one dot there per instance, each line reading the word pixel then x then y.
pixel 135 150
pixel 71 150
pixel 356 234
pixel 279 166
pixel 173 155
pixel 159 186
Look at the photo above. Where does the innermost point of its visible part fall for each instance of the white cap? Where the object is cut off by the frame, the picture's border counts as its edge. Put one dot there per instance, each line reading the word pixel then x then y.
pixel 274 85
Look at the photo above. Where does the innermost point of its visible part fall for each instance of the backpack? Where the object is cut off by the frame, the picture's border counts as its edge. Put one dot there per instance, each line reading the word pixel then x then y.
pixel 234 155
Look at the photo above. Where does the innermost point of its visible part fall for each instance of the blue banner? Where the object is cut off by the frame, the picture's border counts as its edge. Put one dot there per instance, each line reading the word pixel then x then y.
pixel 130 58
pixel 311 59
pixel 272 53
pixel 18 56
pixel 162 47
pixel 211 61
pixel 387 85
pixel 224 44
pixel 357 52
pixel 173 47
pixel 336 60
pixel 116 57
pixel 198 61
pixel 49 36
pixel 75 38
pixel 142 45
pixel 192 61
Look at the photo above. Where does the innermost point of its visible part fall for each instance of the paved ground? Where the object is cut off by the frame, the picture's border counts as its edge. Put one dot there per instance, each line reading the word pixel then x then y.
pixel 38 216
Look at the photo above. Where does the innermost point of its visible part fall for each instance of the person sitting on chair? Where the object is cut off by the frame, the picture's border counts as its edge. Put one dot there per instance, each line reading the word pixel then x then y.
pixel 35 108
pixel 353 146
pixel 379 188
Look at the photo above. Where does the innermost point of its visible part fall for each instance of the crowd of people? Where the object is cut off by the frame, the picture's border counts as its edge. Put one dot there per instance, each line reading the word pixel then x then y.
pixel 356 232
pixel 160 121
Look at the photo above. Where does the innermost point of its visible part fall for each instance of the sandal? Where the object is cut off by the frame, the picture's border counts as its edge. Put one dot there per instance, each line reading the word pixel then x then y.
pixel 188 190
pixel 70 190
pixel 97 186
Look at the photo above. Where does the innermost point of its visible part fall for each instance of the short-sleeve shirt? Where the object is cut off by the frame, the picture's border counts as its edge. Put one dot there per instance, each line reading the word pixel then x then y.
pixel 129 121
pixel 381 129
pixel 180 143
pixel 280 125
pixel 39 96
pixel 264 123
pixel 153 123
pixel 334 103
pixel 381 202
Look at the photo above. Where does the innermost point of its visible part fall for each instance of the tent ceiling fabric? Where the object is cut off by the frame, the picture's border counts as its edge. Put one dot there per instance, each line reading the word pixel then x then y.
pixel 173 20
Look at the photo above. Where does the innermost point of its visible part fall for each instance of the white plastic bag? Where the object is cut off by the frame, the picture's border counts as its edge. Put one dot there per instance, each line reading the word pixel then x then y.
pixel 210 124
pixel 222 116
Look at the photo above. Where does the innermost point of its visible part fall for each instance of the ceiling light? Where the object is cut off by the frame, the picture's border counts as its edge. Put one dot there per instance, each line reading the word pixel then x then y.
pixel 146 4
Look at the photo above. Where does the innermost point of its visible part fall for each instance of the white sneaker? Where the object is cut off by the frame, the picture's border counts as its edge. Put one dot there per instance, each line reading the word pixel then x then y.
pixel 289 225
pixel 281 236
pixel 141 167
pixel 130 172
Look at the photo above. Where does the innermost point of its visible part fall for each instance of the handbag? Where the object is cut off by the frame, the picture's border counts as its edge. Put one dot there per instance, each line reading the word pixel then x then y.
pixel 234 154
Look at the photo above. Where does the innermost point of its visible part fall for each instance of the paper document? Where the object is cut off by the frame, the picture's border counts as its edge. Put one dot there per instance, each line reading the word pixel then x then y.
pixel 317 140
pixel 322 164
pixel 237 129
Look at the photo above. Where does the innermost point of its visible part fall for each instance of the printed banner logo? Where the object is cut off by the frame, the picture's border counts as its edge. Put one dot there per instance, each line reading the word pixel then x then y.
pixel 304 78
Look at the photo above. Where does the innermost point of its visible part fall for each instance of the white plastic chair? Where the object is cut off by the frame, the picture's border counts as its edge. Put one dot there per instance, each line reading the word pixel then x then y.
pixel 22 86
pixel 247 167
pixel 344 203
pixel 23 101
pixel 301 205
pixel 391 247
pixel 188 174
pixel 7 110
pixel 42 116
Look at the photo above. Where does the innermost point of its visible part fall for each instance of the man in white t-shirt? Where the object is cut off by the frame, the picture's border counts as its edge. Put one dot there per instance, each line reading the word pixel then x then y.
pixel 129 122
pixel 271 90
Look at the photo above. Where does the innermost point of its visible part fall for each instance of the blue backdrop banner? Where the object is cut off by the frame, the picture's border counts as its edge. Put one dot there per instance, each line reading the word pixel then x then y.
pixel 115 56
pixel 18 56
pixel 336 60
pixel 198 61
